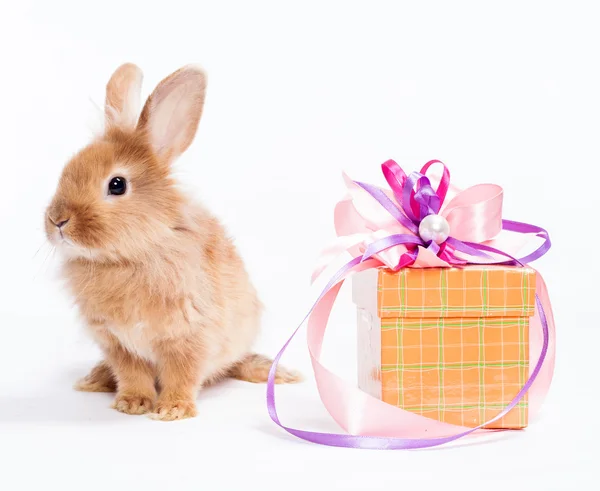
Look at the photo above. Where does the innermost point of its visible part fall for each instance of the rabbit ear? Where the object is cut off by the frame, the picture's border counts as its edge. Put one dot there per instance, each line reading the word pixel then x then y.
pixel 123 90
pixel 172 112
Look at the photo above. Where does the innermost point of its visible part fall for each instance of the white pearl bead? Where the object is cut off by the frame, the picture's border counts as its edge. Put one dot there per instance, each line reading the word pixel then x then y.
pixel 434 228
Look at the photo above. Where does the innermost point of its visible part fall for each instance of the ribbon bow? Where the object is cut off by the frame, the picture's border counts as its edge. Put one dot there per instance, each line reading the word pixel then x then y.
pixel 414 224
pixel 404 219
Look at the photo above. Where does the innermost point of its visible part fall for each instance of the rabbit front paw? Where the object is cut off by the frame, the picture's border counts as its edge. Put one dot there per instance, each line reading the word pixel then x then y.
pixel 172 410
pixel 133 403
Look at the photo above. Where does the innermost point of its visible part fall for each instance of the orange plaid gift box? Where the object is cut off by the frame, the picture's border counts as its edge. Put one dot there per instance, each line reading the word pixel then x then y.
pixel 450 344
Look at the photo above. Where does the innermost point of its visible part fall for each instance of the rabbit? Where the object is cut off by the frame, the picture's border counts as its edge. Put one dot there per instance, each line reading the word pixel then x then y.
pixel 157 281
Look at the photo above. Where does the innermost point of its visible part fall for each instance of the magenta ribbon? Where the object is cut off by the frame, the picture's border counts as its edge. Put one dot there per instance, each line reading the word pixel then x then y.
pixel 418 199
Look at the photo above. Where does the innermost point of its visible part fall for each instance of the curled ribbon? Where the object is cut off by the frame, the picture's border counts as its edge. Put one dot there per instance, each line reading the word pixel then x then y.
pixel 380 228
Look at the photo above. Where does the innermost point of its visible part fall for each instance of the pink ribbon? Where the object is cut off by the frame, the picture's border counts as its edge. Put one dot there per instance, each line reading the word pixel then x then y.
pixel 387 236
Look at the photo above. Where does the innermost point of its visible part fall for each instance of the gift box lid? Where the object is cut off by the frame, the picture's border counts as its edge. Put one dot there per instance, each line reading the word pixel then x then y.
pixel 470 291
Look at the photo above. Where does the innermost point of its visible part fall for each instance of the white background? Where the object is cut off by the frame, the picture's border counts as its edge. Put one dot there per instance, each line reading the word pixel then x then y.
pixel 298 93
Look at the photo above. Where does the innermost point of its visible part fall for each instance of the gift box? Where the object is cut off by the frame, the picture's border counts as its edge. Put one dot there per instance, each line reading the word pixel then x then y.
pixel 455 330
pixel 450 344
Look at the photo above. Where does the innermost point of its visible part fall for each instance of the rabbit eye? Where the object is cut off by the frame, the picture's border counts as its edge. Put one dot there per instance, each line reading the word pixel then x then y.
pixel 117 186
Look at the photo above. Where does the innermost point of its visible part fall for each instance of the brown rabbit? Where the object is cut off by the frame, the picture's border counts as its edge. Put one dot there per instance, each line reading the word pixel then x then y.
pixel 156 279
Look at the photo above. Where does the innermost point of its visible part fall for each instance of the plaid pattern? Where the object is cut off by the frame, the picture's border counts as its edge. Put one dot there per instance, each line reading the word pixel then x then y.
pixel 452 292
pixel 455 342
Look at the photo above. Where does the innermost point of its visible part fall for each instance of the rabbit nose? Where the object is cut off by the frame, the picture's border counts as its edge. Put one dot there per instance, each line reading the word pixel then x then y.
pixel 59 223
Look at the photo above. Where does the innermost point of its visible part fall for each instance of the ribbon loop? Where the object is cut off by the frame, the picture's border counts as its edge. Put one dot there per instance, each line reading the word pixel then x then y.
pixel 395 177
pixel 475 214
pixel 444 184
